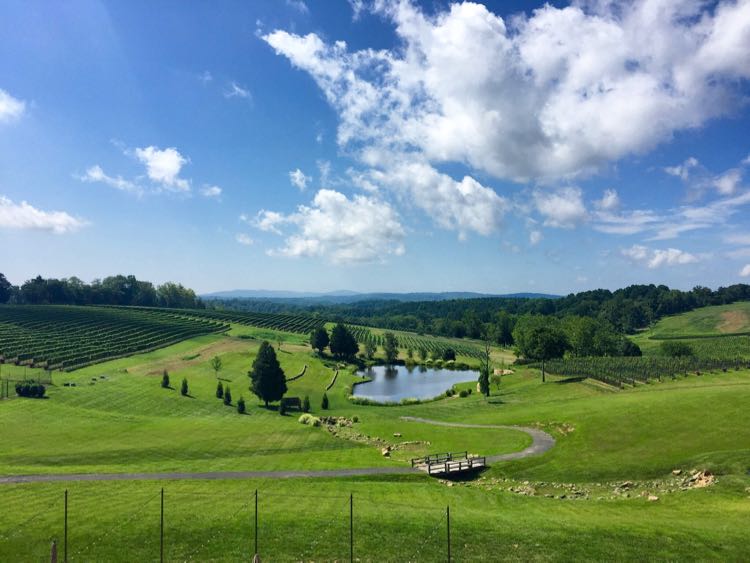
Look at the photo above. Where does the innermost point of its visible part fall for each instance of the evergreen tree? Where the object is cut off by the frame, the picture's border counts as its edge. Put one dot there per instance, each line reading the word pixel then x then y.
pixel 306 404
pixel 241 406
pixel 390 347
pixel 343 344
pixel 184 390
pixel 319 339
pixel 219 391
pixel 268 380
pixel 227 396
pixel 324 402
pixel 216 365
pixel 165 380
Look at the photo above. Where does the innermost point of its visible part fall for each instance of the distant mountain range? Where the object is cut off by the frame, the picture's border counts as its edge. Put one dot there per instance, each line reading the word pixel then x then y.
pixel 347 296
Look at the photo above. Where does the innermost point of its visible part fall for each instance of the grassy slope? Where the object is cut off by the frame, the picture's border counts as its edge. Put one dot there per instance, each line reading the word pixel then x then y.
pixel 722 319
pixel 126 423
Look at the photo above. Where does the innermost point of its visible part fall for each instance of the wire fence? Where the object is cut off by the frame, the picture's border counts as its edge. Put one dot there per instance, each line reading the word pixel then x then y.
pixel 181 525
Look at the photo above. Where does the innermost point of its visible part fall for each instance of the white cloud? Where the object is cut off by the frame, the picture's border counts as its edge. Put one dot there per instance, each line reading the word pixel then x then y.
pixel 343 230
pixel 609 202
pixel 205 77
pixel 464 85
pixel 298 5
pixel 654 258
pixel 26 217
pixel 243 239
pixel 683 171
pixel 10 108
pixel 535 237
pixel 299 179
pixel 745 271
pixel 727 183
pixel 96 174
pixel 163 167
pixel 236 91
pixel 563 208
pixel 269 221
pixel 211 191
pixel 738 238
pixel 358 6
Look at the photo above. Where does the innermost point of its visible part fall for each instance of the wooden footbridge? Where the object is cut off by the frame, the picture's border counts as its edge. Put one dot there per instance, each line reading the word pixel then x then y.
pixel 449 463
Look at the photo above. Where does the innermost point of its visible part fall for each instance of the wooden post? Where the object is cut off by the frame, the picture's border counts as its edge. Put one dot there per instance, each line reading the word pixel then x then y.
pixel 256 521
pixel 65 533
pixel 161 529
pixel 448 520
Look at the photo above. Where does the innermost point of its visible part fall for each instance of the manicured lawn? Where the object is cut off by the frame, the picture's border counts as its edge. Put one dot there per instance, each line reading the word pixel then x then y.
pixel 125 422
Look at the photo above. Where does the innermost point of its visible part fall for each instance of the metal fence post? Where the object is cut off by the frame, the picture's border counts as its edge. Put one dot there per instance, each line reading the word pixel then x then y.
pixel 351 528
pixel 161 528
pixel 256 521
pixel 448 519
pixel 65 533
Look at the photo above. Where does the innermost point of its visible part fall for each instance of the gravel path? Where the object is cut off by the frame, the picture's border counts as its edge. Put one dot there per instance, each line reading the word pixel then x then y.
pixel 542 442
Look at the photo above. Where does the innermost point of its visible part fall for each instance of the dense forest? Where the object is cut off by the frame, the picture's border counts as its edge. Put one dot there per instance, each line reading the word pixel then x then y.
pixel 624 310
pixel 113 290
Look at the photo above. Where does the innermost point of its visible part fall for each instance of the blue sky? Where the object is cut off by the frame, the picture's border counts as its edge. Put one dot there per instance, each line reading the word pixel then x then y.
pixel 377 146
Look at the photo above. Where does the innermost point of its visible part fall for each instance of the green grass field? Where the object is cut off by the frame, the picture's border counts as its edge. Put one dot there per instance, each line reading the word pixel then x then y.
pixel 714 321
pixel 125 422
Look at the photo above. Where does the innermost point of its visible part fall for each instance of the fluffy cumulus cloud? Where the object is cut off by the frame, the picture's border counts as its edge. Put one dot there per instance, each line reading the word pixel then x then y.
pixel 654 257
pixel 299 179
pixel 609 201
pixel 26 217
pixel 562 208
pixel 10 108
pixel 745 271
pixel 163 167
pixel 341 229
pixel 465 85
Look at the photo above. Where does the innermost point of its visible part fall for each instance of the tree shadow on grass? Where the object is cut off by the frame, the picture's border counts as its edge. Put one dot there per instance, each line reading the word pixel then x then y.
pixel 567 380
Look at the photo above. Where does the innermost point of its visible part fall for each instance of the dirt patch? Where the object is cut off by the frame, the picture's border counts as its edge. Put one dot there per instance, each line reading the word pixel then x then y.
pixel 201 354
pixel 733 321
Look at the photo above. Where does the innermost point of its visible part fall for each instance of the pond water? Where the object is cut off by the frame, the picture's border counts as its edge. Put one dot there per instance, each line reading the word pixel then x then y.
pixel 393 383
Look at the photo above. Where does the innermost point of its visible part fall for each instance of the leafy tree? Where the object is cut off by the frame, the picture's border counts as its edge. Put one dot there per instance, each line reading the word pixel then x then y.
pixel 324 402
pixel 319 339
pixel 449 354
pixel 241 406
pixel 675 349
pixel 423 354
pixel 485 366
pixel 6 289
pixel 219 391
pixel 390 347
pixel 370 349
pixel 306 404
pixel 165 380
pixel 216 365
pixel 629 348
pixel 410 353
pixel 268 380
pixel 184 390
pixel 539 338
pixel 227 396
pixel 343 344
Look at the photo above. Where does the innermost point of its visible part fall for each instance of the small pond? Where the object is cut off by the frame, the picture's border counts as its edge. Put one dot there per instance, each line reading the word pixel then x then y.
pixel 390 384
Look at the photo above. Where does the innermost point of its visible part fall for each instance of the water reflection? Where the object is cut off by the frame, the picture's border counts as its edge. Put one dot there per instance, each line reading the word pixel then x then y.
pixel 394 383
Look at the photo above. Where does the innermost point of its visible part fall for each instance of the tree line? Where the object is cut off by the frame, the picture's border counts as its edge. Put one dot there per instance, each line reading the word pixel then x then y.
pixel 112 290
pixel 625 310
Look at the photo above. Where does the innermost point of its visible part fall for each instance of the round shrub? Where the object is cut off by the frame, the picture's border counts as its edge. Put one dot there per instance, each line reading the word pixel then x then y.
pixel 355 418
pixel 463 393
pixel 30 389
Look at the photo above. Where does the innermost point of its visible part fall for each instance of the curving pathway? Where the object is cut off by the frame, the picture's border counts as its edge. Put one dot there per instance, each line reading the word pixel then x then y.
pixel 541 443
